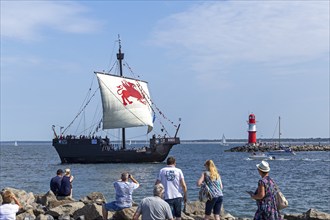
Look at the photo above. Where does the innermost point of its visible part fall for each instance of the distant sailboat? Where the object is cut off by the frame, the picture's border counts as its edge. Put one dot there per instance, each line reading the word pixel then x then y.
pixel 283 150
pixel 223 141
pixel 15 144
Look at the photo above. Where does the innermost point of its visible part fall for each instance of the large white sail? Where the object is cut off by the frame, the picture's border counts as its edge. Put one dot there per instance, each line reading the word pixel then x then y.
pixel 126 102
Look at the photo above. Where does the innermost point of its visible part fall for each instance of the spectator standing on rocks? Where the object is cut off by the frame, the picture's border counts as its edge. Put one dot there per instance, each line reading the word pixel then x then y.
pixel 66 184
pixel 212 179
pixel 7 209
pixel 265 195
pixel 55 182
pixel 175 187
pixel 124 190
pixel 154 207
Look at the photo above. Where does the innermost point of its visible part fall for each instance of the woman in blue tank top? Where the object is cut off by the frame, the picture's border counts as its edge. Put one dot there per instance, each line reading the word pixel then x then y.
pixel 213 180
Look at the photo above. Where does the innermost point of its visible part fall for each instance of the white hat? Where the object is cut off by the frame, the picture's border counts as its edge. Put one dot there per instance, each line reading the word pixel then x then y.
pixel 263 166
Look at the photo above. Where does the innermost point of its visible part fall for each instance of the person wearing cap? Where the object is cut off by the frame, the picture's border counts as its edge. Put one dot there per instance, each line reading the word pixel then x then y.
pixel 8 210
pixel 66 184
pixel 55 182
pixel 154 207
pixel 265 195
pixel 124 190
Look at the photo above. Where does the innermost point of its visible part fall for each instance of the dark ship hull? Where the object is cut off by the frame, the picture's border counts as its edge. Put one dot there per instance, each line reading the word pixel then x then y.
pixel 101 151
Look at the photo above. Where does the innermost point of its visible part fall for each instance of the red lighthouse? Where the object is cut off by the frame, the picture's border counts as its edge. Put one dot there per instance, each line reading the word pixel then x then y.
pixel 252 129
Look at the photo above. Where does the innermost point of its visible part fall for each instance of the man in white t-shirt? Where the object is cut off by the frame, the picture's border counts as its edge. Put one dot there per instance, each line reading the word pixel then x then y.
pixel 175 187
pixel 7 209
pixel 154 207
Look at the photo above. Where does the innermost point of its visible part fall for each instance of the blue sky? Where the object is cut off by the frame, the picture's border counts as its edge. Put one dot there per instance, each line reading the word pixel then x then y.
pixel 210 63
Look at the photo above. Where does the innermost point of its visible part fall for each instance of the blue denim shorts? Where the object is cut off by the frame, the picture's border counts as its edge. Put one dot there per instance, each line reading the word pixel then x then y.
pixel 214 204
pixel 176 206
pixel 111 206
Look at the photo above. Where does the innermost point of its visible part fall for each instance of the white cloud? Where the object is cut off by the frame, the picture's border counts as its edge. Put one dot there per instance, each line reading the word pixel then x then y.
pixel 279 32
pixel 26 19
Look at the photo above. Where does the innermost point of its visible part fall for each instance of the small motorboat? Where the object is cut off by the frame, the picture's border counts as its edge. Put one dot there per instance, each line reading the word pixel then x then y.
pixel 260 156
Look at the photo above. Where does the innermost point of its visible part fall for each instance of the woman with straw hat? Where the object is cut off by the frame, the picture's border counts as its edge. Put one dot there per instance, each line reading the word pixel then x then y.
pixel 265 195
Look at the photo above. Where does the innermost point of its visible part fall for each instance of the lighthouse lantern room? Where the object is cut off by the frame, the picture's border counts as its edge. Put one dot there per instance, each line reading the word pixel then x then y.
pixel 252 129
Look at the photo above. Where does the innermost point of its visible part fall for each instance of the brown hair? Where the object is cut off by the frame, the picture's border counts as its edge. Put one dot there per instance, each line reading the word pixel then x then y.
pixel 124 176
pixel 170 161
pixel 7 196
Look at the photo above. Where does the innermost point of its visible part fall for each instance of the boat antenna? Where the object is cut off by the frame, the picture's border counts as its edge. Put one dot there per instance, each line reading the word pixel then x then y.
pixel 120 57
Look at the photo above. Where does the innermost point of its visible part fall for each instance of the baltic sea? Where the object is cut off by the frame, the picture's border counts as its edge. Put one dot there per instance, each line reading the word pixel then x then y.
pixel 304 178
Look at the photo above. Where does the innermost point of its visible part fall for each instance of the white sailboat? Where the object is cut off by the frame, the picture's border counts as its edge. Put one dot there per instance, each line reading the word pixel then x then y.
pixel 283 151
pixel 223 141
pixel 15 144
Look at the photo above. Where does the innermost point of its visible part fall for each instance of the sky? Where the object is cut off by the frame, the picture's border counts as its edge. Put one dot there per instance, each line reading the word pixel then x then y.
pixel 210 63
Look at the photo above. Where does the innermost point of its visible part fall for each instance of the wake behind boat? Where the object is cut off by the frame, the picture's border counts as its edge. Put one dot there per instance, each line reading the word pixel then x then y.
pixel 126 104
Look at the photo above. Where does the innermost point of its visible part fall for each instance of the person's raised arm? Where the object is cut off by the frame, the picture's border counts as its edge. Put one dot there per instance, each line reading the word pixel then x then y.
pixel 16 201
pixel 133 179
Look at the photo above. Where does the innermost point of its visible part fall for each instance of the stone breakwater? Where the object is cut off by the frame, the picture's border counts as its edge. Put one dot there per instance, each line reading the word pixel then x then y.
pixel 49 207
pixel 266 148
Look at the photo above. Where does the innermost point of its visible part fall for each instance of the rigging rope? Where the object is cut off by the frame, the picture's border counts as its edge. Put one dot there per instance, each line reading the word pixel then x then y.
pixel 84 107
pixel 275 129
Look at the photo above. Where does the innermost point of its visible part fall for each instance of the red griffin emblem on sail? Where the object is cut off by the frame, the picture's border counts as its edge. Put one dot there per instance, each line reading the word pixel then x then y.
pixel 128 89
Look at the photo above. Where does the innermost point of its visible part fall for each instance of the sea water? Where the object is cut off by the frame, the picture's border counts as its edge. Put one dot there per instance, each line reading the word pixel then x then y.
pixel 304 178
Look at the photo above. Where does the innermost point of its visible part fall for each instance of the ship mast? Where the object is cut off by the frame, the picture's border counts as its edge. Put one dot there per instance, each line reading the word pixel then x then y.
pixel 120 57
pixel 279 132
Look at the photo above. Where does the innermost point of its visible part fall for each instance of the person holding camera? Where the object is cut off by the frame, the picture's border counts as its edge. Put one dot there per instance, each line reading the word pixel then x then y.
pixel 124 190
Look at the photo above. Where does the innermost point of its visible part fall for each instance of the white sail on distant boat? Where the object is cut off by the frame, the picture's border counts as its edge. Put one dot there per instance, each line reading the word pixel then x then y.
pixel 223 141
pixel 15 144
